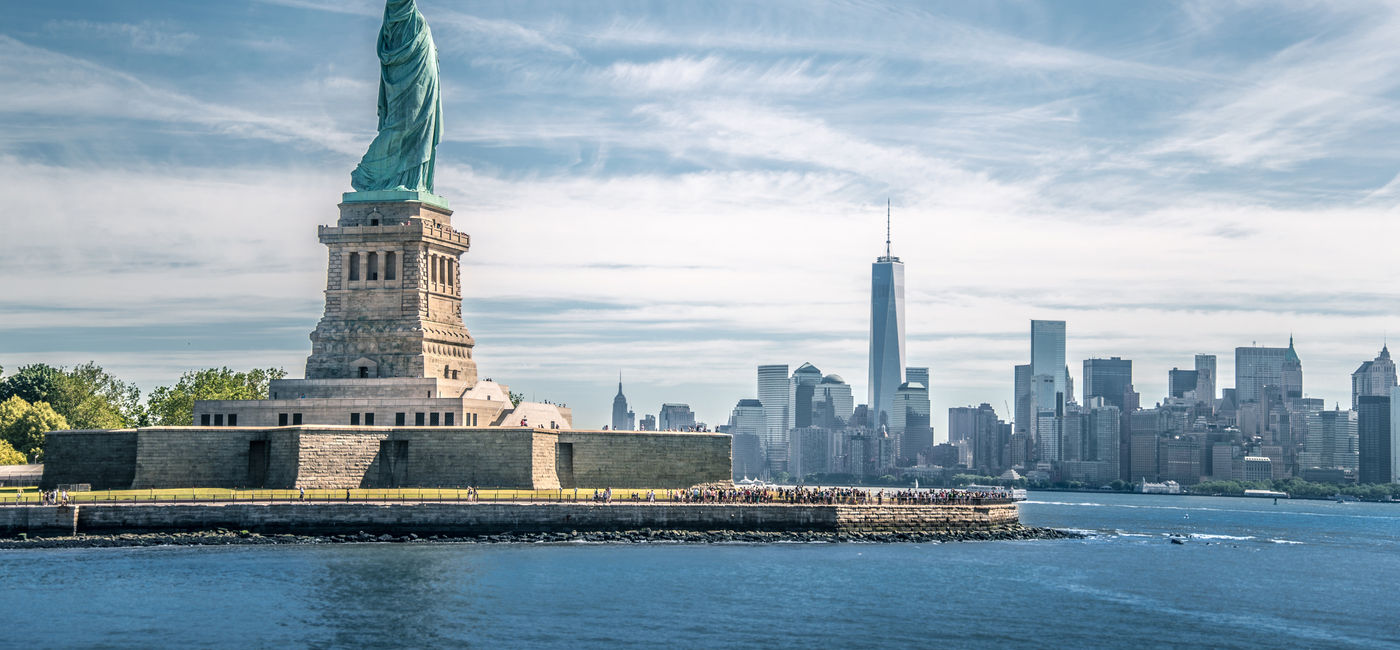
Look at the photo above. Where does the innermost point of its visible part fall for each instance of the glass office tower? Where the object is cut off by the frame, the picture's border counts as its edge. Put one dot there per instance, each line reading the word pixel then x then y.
pixel 1110 379
pixel 1048 353
pixel 777 414
pixel 886 336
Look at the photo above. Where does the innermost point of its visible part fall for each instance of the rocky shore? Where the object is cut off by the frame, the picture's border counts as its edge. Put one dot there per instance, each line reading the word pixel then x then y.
pixel 243 537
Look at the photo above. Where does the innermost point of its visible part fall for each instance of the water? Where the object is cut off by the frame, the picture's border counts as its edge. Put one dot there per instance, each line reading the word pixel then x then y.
pixel 1300 573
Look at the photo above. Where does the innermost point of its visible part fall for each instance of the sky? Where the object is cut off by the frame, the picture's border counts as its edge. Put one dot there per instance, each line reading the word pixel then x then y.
pixel 683 191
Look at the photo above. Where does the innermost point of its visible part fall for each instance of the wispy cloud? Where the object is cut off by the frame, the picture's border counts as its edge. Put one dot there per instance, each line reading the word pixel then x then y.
pixel 46 83
pixel 1318 98
pixel 149 37
pixel 477 34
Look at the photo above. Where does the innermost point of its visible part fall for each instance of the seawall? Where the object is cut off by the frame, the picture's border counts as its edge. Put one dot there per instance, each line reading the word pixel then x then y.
pixel 500 518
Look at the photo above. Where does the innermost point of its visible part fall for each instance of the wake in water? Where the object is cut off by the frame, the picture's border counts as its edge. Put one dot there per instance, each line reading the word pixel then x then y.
pixel 1207 538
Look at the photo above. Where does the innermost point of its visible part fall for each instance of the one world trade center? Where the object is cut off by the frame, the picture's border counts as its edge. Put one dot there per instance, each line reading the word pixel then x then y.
pixel 886 332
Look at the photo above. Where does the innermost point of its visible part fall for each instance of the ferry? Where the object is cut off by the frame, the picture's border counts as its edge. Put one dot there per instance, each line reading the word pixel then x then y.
pixel 1166 487
pixel 1344 498
pixel 1015 494
pixel 1266 494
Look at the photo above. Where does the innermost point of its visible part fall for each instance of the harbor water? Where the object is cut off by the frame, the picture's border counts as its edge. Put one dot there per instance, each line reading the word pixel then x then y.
pixel 1249 573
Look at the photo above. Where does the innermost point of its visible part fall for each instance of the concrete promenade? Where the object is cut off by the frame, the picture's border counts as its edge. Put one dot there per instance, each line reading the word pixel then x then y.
pixel 494 518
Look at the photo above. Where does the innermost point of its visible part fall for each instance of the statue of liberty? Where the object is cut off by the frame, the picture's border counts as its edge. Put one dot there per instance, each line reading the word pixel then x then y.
pixel 410 106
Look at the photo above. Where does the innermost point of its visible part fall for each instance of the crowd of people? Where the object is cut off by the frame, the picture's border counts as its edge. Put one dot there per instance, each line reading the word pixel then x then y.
pixel 739 494
pixel 830 496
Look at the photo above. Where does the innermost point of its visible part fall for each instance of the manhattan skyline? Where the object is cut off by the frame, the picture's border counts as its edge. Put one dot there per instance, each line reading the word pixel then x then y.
pixel 711 196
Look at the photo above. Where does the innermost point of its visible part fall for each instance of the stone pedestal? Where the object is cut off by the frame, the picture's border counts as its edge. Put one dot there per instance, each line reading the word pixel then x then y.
pixel 393 293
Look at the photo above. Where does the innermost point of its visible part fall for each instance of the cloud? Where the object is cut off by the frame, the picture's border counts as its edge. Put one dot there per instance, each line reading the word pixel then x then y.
pixel 904 33
pixel 46 83
pixel 352 7
pixel 149 37
pixel 479 34
pixel 1315 99
pixel 714 74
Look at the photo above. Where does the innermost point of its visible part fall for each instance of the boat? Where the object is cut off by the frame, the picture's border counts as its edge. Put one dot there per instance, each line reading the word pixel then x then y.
pixel 1266 494
pixel 1344 498
pixel 1165 487
pixel 1015 494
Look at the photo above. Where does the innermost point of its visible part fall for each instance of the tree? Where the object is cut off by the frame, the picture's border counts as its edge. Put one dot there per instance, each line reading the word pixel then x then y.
pixel 173 406
pixel 91 398
pixel 34 383
pixel 23 425
pixel 9 456
pixel 516 398
pixel 87 396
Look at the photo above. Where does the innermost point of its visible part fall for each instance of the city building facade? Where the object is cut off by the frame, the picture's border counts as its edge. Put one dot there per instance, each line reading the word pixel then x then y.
pixel 1373 439
pixel 1375 377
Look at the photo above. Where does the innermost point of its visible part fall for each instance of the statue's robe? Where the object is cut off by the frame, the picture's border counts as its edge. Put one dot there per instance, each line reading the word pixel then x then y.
pixel 410 106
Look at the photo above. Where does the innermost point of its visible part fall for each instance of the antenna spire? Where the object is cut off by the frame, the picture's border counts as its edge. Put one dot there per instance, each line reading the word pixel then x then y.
pixel 887 226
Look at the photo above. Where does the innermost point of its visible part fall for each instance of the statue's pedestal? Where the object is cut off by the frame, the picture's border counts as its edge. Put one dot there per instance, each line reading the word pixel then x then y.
pixel 395 195
pixel 391 208
pixel 393 292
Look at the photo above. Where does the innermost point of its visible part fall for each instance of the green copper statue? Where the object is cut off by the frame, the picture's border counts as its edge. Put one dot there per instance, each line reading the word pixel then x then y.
pixel 410 106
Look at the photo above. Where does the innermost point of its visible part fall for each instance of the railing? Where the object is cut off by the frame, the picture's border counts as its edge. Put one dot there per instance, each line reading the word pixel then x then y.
pixel 662 497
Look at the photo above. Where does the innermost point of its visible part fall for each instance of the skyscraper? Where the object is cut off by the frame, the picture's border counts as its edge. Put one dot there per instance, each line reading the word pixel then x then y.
pixel 1180 382
pixel 773 394
pixel 746 425
pixel 1331 441
pixel 1375 377
pixel 1205 378
pixel 1021 417
pixel 1373 439
pixel 801 386
pixel 832 403
pixel 962 422
pixel 1048 353
pixel 1110 379
pixel 1046 410
pixel 909 420
pixel 919 375
pixel 886 332
pixel 1257 367
pixel 1395 435
pixel 622 418
pixel 1103 427
pixel 989 437
pixel 747 417
pixel 676 417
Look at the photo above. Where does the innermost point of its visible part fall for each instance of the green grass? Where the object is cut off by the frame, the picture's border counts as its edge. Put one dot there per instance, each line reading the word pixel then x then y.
pixel 31 495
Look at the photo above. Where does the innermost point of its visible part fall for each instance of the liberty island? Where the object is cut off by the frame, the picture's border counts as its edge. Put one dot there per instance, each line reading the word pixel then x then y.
pixel 391 400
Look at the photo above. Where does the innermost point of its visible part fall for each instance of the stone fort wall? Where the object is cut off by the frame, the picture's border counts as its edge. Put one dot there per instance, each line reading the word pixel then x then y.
pixel 498 518
pixel 337 457
pixel 624 459
pixel 106 459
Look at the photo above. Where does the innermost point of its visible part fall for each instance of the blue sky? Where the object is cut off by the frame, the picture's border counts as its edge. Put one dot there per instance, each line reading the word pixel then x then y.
pixel 683 191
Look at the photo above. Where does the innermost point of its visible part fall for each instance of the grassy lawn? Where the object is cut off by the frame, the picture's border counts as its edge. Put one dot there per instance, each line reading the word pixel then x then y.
pixel 31 495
